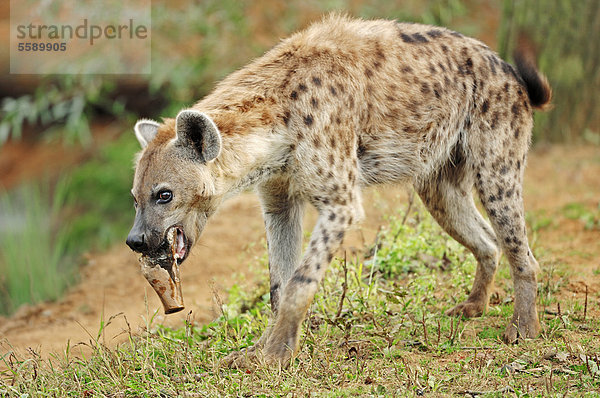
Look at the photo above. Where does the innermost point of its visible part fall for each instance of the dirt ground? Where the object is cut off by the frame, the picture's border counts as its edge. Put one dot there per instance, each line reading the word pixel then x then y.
pixel 112 285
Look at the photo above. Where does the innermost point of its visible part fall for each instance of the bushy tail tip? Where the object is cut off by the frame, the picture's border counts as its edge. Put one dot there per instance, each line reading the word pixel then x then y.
pixel 538 88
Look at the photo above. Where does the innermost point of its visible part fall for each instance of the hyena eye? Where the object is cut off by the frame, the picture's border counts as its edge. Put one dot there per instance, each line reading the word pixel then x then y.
pixel 164 197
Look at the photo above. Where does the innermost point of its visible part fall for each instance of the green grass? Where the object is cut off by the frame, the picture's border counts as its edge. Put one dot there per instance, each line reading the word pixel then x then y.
pixel 388 336
pixel 578 211
pixel 34 261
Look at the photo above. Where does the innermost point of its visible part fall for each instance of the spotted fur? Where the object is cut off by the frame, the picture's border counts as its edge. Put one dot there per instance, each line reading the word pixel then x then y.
pixel 346 104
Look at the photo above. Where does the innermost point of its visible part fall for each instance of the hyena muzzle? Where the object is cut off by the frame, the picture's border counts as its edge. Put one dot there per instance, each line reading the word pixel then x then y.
pixel 343 105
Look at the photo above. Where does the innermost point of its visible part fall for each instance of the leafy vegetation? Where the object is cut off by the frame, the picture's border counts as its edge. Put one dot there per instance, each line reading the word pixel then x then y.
pixel 376 328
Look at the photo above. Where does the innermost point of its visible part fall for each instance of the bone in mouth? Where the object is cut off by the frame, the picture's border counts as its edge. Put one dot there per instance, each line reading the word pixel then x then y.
pixel 162 272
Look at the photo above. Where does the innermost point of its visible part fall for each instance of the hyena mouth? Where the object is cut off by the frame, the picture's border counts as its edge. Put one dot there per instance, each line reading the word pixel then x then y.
pixel 161 269
pixel 174 247
pixel 179 246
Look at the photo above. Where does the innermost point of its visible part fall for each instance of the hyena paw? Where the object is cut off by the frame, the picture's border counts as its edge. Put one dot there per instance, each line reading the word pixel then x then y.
pixel 468 309
pixel 527 328
pixel 277 354
pixel 251 357
pixel 242 359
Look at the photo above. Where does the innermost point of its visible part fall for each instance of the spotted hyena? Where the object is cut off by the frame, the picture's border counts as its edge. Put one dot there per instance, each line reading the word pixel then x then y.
pixel 343 105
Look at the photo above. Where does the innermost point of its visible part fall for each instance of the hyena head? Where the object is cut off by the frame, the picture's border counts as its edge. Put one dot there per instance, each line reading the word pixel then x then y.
pixel 174 185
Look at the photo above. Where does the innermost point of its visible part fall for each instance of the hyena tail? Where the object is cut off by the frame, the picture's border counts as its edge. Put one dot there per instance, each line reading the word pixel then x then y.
pixel 538 88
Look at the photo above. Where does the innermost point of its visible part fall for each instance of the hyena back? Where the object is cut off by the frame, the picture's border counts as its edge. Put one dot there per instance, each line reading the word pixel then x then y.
pixel 343 105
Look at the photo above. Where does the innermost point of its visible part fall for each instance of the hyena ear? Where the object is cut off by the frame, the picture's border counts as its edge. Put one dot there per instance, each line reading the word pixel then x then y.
pixel 145 131
pixel 197 131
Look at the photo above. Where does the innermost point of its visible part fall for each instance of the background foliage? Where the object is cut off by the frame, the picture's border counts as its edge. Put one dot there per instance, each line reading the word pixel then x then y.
pixel 569 55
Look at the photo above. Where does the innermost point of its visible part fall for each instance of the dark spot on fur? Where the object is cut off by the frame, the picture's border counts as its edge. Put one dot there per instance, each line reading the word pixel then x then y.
pixel 434 33
pixel 515 109
pixel 333 91
pixel 294 95
pixel 286 118
pixel 314 102
pixel 340 235
pixel 406 69
pixel 368 73
pixel 317 141
pixel 316 81
pixel 456 34
pixel 406 38
pixel 424 88
pixel 503 221
pixel 485 106
pixel 495 117
pixel 329 257
pixel 308 120
pixel 419 38
pixel 500 193
pixel 507 68
pixel 432 69
pixel 302 87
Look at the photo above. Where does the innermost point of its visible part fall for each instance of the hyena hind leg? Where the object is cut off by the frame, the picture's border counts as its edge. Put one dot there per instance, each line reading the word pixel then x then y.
pixel 448 198
pixel 500 190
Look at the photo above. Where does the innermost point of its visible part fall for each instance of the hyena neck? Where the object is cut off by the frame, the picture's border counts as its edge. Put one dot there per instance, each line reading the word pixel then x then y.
pixel 249 157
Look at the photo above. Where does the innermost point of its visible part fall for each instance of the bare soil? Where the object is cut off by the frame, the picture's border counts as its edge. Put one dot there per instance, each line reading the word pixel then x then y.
pixel 112 287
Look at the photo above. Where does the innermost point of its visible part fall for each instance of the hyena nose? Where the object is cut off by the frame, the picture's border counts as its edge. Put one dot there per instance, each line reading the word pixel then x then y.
pixel 137 242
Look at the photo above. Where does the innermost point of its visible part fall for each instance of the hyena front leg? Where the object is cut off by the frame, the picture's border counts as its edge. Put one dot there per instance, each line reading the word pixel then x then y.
pixel 283 213
pixel 333 221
